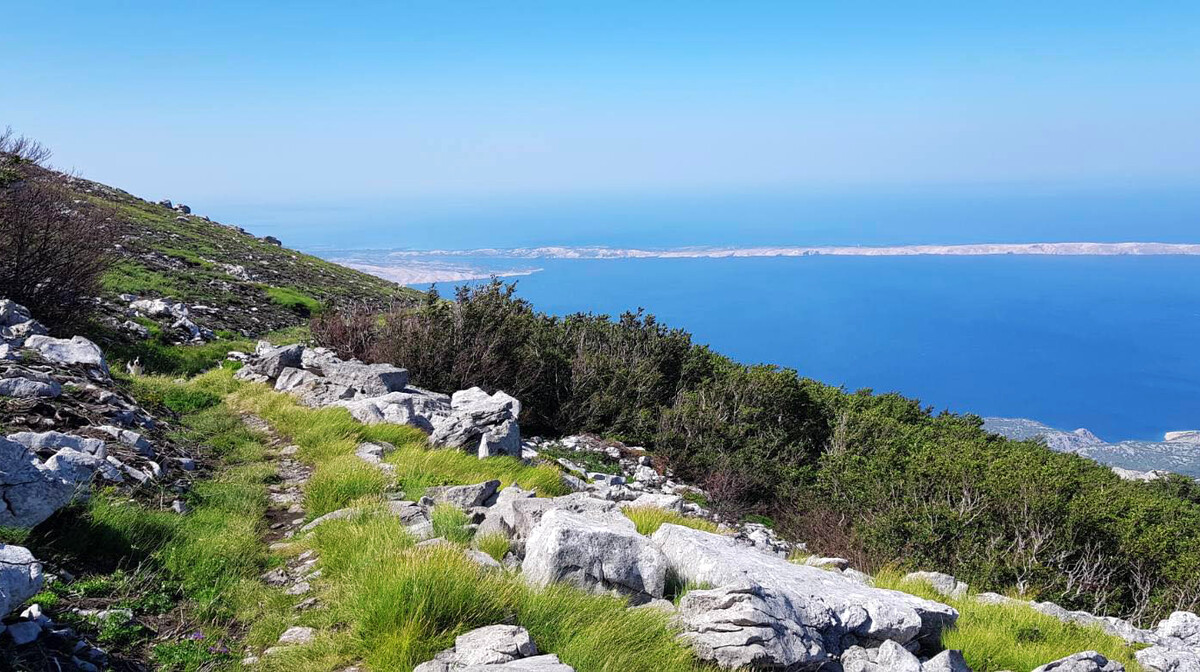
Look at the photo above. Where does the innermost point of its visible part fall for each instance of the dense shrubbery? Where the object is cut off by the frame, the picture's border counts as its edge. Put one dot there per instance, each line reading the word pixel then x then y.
pixel 877 478
pixel 53 249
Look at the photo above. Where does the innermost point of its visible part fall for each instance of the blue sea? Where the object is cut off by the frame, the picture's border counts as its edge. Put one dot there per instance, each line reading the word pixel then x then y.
pixel 1107 343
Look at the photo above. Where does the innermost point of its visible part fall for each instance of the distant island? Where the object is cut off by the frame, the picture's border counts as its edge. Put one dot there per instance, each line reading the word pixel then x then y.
pixel 974 249
pixel 412 267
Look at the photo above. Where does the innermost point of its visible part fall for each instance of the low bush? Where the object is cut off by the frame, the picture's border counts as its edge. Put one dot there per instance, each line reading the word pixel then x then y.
pixel 53 249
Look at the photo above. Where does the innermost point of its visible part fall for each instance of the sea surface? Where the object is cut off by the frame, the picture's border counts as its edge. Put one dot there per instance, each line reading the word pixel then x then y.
pixel 1111 344
pixel 1107 343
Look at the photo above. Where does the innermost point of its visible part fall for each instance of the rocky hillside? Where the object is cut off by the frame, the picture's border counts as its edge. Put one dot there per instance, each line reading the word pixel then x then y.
pixel 226 280
pixel 1178 452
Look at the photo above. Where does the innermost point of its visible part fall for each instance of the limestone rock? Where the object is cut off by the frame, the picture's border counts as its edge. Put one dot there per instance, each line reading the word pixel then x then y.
pixel 946 661
pixel 20 577
pixel 1087 661
pixel 76 351
pixel 272 361
pixel 943 584
pixel 297 634
pixel 494 648
pixel 464 496
pixel 767 611
pixel 501 516
pixel 1183 626
pixel 28 493
pixel 1163 659
pixel 53 440
pixel 28 387
pixel 599 552
pixel 667 502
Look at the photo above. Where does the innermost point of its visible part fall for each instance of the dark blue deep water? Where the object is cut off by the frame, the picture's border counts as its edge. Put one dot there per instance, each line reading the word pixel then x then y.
pixel 1107 343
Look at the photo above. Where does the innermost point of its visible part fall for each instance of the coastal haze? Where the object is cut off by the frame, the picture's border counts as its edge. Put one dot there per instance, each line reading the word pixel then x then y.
pixel 414 267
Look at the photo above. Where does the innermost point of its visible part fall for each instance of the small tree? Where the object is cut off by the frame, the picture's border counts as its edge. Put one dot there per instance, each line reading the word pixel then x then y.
pixel 53 249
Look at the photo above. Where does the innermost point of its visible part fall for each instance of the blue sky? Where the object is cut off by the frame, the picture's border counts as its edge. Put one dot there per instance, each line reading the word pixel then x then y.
pixel 263 103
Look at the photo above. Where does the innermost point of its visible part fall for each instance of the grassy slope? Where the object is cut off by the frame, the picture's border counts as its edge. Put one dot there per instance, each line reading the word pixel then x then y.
pixel 184 257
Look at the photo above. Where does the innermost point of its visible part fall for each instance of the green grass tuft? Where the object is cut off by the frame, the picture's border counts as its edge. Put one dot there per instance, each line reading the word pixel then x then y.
pixel 1010 636
pixel 341 481
pixel 496 545
pixel 649 518
pixel 450 523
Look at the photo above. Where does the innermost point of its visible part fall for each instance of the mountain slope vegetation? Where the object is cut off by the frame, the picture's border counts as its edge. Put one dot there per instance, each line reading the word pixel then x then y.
pixel 876 478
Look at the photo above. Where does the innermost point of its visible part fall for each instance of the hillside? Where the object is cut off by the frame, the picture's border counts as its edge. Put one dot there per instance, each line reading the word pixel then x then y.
pixel 252 285
pixel 397 484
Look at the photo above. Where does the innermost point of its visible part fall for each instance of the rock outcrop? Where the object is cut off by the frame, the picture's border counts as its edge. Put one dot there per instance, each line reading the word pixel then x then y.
pixel 473 420
pixel 597 551
pixel 494 647
pixel 765 611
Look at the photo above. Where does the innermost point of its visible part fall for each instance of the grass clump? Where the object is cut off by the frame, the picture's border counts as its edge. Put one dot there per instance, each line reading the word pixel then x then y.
pixel 649 518
pixel 450 523
pixel 1012 636
pixel 294 300
pixel 340 482
pixel 496 545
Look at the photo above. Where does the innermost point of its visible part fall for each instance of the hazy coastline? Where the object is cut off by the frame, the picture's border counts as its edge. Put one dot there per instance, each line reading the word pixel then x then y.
pixel 975 249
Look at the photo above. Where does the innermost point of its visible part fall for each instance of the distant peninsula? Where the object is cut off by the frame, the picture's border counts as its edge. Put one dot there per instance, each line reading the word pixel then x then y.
pixel 973 249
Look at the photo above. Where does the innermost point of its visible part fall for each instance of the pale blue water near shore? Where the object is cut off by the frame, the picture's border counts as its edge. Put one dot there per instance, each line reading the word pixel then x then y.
pixel 1107 343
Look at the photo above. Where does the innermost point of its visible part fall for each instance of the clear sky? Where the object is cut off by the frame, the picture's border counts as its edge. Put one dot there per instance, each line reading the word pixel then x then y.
pixel 293 102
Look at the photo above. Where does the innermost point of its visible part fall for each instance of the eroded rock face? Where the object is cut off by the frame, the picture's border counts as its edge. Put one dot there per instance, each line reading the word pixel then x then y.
pixel 1087 661
pixel 20 577
pixel 501 516
pixel 1181 628
pixel 53 440
pixel 480 422
pixel 769 612
pixel 28 385
pixel 598 551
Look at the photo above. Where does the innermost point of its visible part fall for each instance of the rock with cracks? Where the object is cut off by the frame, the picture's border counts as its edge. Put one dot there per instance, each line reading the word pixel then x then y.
pixel 765 611
pixel 595 552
